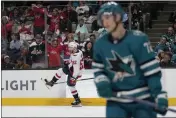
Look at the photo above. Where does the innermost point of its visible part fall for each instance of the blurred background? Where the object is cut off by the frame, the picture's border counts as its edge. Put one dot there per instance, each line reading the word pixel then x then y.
pixel 35 35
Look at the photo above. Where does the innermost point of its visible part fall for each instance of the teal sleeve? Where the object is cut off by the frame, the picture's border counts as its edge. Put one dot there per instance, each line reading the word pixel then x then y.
pixel 97 63
pixel 145 58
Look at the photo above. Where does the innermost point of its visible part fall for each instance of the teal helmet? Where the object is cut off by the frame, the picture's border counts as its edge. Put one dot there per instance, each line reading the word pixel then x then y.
pixel 110 8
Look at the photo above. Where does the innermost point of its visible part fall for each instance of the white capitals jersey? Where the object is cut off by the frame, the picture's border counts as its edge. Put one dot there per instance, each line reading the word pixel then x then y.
pixel 76 61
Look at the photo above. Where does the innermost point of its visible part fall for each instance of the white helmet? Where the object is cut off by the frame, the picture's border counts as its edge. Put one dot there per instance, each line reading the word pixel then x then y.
pixel 72 46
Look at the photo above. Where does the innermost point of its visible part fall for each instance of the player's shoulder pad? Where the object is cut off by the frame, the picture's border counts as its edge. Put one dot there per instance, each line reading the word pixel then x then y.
pixel 100 39
pixel 139 36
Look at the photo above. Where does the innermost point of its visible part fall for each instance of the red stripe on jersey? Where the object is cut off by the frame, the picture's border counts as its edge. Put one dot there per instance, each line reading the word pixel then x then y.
pixel 58 76
pixel 79 76
pixel 74 91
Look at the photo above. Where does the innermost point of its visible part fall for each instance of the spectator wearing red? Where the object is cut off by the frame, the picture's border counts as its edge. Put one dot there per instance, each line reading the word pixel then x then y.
pixel 24 30
pixel 54 20
pixel 6 27
pixel 54 51
pixel 39 21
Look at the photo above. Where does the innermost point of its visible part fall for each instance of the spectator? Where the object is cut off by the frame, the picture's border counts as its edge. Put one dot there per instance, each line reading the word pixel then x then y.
pixel 72 14
pixel 81 9
pixel 172 17
pixel 54 52
pixel 15 46
pixel 54 20
pixel 81 30
pixel 88 18
pixel 15 15
pixel 7 64
pixel 65 22
pixel 21 65
pixel 92 38
pixel 166 61
pixel 6 27
pixel 24 30
pixel 39 21
pixel 95 27
pixel 25 33
pixel 88 55
pixel 170 36
pixel 162 45
pixel 37 52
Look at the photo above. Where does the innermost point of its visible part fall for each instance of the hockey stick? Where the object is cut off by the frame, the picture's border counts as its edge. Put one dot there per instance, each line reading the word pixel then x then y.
pixel 146 102
pixel 77 80
pixel 45 80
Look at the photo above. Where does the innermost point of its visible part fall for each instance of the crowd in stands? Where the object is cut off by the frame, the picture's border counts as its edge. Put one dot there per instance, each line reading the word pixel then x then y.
pixel 36 37
pixel 166 48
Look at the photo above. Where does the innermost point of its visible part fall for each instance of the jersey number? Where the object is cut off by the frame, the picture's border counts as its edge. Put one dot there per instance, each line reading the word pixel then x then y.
pixel 148 46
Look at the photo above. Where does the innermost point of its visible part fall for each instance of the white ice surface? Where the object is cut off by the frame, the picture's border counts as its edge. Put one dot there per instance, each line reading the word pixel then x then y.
pixel 60 111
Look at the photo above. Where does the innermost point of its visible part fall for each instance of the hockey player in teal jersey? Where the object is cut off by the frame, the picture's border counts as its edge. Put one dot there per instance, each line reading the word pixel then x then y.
pixel 125 64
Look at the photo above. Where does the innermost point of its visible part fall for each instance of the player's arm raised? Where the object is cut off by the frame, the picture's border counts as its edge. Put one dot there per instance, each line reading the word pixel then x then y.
pixel 149 65
pixel 102 82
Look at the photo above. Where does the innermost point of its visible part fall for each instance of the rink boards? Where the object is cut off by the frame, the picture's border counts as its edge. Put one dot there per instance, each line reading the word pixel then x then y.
pixel 25 88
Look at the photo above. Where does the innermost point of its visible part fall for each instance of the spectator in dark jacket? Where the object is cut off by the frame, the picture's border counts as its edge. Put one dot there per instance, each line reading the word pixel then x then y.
pixel 170 36
pixel 15 15
pixel 162 45
pixel 7 64
pixel 37 52
pixel 88 55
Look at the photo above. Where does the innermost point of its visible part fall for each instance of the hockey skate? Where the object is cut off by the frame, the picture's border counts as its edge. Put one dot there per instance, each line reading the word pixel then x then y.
pixel 76 103
pixel 47 83
pixel 50 83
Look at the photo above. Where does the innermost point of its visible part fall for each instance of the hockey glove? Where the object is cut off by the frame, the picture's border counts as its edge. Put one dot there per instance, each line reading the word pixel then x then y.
pixel 162 103
pixel 103 86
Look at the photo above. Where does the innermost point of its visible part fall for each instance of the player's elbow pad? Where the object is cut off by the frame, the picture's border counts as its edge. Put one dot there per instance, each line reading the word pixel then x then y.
pixel 103 85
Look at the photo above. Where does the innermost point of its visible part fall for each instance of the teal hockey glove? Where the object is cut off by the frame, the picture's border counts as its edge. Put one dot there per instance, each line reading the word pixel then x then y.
pixel 162 102
pixel 103 85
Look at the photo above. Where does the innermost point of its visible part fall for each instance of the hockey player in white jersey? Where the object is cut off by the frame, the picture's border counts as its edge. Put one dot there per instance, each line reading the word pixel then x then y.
pixel 74 71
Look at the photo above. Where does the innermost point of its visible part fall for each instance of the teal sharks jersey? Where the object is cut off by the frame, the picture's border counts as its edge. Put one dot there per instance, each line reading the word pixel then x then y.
pixel 129 63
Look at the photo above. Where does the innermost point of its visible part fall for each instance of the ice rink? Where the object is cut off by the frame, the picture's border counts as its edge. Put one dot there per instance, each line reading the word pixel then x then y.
pixel 61 111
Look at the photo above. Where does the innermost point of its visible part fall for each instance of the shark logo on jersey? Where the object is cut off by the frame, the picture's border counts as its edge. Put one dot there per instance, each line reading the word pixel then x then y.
pixel 121 66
